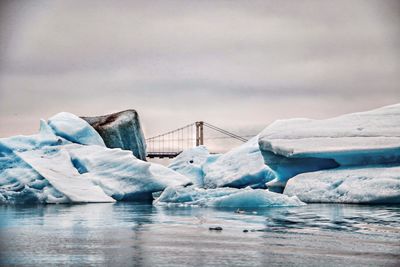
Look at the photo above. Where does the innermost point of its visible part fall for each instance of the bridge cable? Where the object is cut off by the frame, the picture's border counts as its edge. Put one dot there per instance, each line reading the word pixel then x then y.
pixel 215 128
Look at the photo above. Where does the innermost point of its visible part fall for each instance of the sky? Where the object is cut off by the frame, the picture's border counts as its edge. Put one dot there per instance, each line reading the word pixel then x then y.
pixel 238 65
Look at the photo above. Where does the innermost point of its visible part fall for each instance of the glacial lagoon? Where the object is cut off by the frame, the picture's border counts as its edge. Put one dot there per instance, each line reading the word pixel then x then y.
pixel 189 224
pixel 130 234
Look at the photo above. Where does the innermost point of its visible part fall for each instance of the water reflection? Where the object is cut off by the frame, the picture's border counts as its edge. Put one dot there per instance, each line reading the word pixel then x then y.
pixel 144 235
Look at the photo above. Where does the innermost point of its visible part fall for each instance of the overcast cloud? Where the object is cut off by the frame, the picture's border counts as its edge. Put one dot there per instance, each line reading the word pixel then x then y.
pixel 236 64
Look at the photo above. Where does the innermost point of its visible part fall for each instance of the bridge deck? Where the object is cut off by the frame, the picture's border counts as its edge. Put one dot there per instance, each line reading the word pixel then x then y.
pixel 163 154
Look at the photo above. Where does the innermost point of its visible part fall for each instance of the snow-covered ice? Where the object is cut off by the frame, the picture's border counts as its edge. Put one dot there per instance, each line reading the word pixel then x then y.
pixel 224 198
pixel 373 185
pixel 295 146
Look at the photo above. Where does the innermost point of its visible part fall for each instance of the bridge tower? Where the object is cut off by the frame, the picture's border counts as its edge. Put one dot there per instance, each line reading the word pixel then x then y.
pixel 172 143
pixel 199 133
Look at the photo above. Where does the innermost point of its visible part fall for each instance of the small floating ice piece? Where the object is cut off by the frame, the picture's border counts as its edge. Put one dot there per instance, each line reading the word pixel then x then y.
pixel 254 198
pixel 225 197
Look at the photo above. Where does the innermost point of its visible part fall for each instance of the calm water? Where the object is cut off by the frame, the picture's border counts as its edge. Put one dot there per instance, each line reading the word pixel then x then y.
pixel 126 234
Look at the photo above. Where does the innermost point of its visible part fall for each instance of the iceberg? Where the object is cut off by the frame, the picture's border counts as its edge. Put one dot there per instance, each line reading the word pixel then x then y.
pixel 224 198
pixel 366 185
pixel 121 130
pixel 291 147
pixel 67 163
pixel 238 168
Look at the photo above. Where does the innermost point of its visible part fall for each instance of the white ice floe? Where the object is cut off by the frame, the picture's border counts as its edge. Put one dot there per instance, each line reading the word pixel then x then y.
pixel 224 198
pixel 368 185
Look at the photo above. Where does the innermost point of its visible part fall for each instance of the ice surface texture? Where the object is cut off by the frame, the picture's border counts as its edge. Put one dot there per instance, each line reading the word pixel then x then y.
pixel 240 167
pixel 121 175
pixel 121 130
pixel 296 146
pixel 19 182
pixel 54 164
pixel 372 185
pixel 74 129
pixel 224 198
pixel 190 163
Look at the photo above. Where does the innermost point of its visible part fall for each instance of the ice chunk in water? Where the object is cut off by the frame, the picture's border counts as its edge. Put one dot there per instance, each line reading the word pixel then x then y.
pixel 225 197
pixel 296 146
pixel 368 185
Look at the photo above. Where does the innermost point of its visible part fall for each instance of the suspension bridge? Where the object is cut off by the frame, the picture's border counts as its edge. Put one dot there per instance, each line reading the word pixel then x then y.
pixel 172 143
